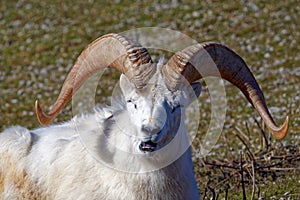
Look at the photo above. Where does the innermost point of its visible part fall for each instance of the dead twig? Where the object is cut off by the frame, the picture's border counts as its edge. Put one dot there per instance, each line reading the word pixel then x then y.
pixel 212 190
pixel 243 141
pixel 242 177
pixel 262 133
pixel 253 180
pixel 221 165
pixel 226 179
pixel 281 169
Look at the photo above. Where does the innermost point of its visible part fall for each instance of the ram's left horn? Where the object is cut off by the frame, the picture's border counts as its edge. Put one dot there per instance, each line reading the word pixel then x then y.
pixel 111 50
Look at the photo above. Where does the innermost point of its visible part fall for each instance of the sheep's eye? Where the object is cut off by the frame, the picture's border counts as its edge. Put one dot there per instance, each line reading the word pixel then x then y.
pixel 175 108
pixel 133 102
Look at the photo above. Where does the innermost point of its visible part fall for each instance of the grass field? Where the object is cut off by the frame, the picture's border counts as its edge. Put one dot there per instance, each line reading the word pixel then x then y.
pixel 40 41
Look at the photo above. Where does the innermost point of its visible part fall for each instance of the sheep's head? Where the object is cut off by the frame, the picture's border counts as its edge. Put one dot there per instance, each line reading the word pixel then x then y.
pixel 154 95
pixel 154 113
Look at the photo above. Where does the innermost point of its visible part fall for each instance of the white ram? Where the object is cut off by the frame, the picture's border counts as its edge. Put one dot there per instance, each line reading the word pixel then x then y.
pixel 130 138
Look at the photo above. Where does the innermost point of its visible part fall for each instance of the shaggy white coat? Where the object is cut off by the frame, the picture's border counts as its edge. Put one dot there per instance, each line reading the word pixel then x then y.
pixel 53 163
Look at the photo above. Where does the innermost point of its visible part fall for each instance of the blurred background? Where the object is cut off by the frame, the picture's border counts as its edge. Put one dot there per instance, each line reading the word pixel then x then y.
pixel 40 40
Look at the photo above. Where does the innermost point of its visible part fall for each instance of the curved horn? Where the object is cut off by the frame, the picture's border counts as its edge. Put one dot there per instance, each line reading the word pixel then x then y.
pixel 110 50
pixel 197 61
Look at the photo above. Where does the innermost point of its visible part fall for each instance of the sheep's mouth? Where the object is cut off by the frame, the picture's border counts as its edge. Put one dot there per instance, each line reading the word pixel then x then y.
pixel 147 146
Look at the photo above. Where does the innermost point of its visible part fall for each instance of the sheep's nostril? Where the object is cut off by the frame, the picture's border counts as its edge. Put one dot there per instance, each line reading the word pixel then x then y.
pixel 150 129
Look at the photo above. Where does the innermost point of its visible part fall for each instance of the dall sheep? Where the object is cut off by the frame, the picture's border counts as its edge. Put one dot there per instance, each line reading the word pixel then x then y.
pixel 131 139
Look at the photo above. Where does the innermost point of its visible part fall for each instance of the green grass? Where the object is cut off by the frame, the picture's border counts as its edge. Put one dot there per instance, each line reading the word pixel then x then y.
pixel 40 41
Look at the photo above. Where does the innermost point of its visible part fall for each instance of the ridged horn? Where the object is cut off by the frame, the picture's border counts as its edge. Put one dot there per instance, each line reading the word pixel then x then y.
pixel 198 61
pixel 110 50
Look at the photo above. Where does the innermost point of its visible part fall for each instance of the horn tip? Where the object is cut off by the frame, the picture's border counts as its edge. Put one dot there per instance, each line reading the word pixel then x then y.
pixel 41 116
pixel 283 130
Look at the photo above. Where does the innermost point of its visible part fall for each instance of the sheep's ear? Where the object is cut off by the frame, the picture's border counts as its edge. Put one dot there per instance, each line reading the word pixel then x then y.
pixel 193 94
pixel 125 84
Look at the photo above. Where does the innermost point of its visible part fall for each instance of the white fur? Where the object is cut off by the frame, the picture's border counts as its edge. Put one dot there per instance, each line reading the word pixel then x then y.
pixel 58 166
pixel 54 162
